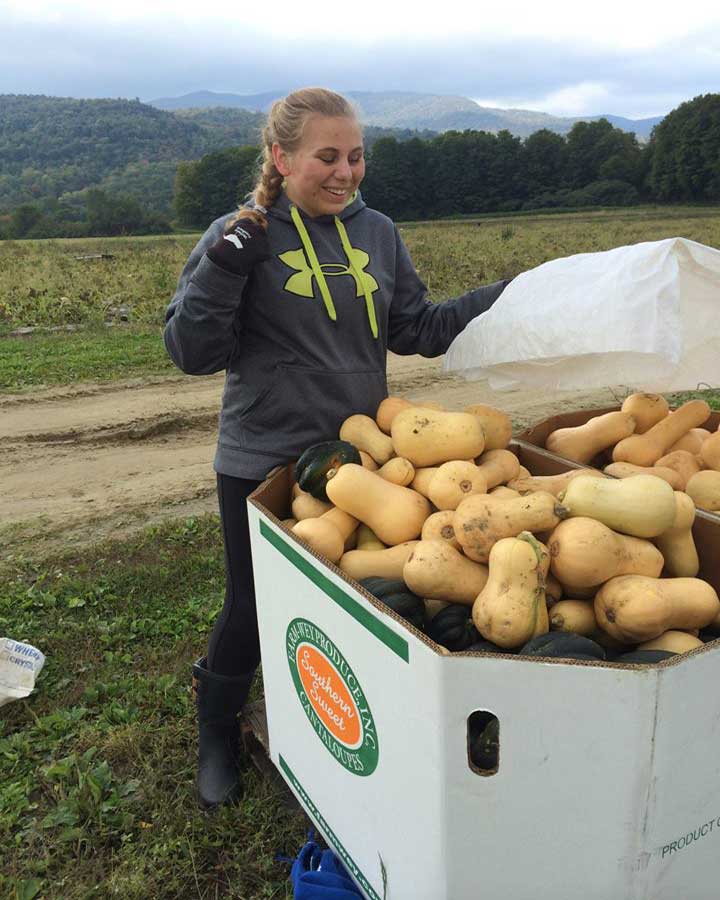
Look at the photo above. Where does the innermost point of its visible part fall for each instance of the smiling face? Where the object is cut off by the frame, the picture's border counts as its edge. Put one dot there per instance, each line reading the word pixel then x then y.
pixel 326 169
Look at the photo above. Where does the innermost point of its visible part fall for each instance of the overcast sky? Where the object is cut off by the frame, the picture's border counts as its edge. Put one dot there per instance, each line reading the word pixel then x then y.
pixel 636 59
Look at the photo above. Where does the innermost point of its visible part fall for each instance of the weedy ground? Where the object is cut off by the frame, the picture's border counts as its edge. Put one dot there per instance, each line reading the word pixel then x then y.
pixel 97 768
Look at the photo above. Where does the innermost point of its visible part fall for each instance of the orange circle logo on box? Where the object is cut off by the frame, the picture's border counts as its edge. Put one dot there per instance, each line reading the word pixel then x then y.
pixel 332 698
pixel 329 695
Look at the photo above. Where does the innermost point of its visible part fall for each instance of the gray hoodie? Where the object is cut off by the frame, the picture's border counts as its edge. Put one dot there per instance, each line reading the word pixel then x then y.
pixel 303 339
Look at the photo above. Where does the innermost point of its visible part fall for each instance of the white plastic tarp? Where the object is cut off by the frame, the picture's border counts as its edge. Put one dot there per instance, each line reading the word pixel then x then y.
pixel 646 316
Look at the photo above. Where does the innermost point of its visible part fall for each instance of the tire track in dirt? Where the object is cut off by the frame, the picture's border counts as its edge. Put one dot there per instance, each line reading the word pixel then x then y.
pixel 83 462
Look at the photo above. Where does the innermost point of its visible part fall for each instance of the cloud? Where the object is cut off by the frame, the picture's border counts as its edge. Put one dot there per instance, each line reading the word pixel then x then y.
pixel 135 58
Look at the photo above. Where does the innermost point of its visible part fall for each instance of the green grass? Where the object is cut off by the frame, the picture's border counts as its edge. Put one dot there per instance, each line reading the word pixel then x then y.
pixel 97 766
pixel 99 354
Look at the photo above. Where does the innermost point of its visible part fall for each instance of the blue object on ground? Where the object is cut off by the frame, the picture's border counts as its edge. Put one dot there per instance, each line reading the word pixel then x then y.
pixel 319 875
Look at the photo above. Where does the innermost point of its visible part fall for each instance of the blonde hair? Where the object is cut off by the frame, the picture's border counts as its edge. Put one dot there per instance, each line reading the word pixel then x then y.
pixel 285 125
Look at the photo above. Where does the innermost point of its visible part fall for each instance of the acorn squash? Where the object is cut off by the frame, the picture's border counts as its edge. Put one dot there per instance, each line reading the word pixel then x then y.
pixel 400 600
pixel 563 644
pixel 453 628
pixel 643 656
pixel 315 462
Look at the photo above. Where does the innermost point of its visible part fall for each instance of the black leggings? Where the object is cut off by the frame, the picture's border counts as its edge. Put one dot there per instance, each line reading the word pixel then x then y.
pixel 234 647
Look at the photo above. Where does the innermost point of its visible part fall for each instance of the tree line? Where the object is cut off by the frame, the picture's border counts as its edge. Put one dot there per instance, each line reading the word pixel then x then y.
pixel 424 176
pixel 469 172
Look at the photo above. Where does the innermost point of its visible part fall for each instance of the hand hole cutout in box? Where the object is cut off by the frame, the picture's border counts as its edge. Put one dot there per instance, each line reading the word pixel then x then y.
pixel 483 742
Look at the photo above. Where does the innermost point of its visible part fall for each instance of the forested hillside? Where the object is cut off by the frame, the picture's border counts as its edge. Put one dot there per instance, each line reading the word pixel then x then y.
pixel 50 146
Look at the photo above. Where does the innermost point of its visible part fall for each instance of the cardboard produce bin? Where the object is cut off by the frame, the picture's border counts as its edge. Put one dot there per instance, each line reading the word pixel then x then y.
pixel 608 782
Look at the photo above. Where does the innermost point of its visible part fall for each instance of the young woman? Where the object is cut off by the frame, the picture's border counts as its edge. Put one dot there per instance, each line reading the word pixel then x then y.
pixel 298 297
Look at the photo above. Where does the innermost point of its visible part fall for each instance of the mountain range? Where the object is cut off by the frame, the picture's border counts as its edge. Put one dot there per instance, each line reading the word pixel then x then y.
pixel 424 112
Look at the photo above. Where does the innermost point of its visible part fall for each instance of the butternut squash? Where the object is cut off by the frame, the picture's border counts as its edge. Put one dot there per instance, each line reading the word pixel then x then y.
pixel 322 536
pixel 288 523
pixel 710 452
pixel 553 588
pixel 368 462
pixel 367 539
pixel 573 615
pixel 453 482
pixel 642 506
pixel 681 461
pixel 437 571
pixel 646 409
pixel 422 479
pixel 584 442
pixel 584 553
pixel 627 470
pixel 524 473
pixel 704 488
pixel 363 433
pixel 429 404
pixel 438 527
pixel 398 470
pixel 677 544
pixel 387 411
pixel 396 514
pixel 646 449
pixel 692 441
pixel 345 524
pixel 429 437
pixel 674 641
pixel 552 484
pixel 305 506
pixel 511 607
pixel 482 520
pixel 635 608
pixel 498 467
pixel 388 563
pixel 496 425
pixel 505 492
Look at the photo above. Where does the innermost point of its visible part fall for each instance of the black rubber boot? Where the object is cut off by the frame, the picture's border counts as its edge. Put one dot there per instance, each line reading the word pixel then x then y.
pixel 219 699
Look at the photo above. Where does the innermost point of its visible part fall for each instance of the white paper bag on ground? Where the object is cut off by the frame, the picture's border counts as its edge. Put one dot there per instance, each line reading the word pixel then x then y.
pixel 20 664
pixel 646 316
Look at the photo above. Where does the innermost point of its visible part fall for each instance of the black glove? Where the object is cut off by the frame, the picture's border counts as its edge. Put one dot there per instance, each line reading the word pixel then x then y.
pixel 241 247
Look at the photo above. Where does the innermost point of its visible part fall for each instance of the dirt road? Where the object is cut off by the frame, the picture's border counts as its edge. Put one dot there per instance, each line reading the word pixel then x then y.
pixel 85 462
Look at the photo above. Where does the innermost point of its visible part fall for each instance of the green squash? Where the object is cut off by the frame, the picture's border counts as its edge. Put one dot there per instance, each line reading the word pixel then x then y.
pixel 314 464
pixel 396 595
pixel 453 627
pixel 483 646
pixel 563 644
pixel 643 656
pixel 484 745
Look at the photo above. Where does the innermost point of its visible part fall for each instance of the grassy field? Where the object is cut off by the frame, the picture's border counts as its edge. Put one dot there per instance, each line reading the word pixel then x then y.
pixel 45 284
pixel 97 768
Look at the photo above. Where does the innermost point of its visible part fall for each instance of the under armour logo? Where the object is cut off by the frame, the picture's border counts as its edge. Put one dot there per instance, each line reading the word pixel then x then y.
pixel 234 238
pixel 301 283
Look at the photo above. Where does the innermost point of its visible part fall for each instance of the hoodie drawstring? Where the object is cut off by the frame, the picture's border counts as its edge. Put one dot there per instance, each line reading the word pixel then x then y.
pixel 369 302
pixel 314 264
pixel 320 277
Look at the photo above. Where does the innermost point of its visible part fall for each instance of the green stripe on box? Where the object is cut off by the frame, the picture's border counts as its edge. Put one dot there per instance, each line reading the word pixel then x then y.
pixel 328 833
pixel 377 628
